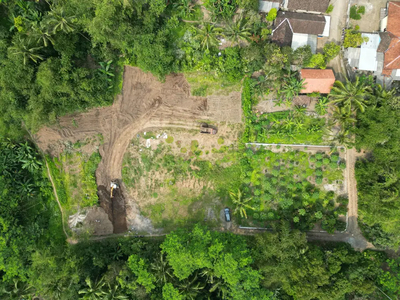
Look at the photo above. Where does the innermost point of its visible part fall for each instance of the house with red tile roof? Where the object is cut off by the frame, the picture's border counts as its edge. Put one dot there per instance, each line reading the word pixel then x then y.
pixel 391 62
pixel 316 80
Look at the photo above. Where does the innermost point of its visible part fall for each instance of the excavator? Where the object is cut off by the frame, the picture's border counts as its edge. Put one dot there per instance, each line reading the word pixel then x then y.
pixel 113 186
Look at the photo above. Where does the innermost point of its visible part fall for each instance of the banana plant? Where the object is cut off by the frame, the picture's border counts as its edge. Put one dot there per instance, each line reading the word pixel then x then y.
pixel 106 70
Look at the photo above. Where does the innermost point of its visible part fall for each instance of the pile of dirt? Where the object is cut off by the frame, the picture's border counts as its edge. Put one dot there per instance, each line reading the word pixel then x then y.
pixel 144 103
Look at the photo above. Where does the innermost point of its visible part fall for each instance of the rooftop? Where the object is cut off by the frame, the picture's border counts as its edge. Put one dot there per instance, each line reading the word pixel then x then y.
pixel 301 23
pixel 308 5
pixel 317 80
pixel 392 54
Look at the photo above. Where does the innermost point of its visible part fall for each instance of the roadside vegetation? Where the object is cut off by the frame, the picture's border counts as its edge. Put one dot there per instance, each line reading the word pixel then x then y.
pixel 60 57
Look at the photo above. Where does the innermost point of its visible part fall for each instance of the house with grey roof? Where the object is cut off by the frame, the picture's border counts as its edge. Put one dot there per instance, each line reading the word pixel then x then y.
pixel 299 29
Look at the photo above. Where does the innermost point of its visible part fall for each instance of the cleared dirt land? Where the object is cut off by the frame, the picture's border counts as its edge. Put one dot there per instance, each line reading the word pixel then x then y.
pixel 145 104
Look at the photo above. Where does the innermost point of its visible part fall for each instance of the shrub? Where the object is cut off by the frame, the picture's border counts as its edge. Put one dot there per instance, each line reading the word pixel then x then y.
pixel 318 172
pixel 220 141
pixel 272 15
pixel 263 216
pixel 256 216
pixel 354 14
pixel 318 156
pixel 318 215
pixel 326 161
pixel 183 150
pixel 318 180
pixel 170 140
pixel 318 164
pixel 334 158
pixel 333 165
pixel 296 219
pixel 342 166
pixel 329 9
pixel 312 158
pixel 361 10
pixel 193 145
pixel 271 215
pixel 302 211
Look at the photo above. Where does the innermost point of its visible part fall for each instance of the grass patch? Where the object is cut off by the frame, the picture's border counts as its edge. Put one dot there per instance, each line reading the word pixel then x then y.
pixel 220 141
pixel 215 85
pixel 169 140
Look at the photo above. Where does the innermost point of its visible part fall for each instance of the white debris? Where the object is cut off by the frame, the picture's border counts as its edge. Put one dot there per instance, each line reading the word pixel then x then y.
pixel 157 136
pixel 219 53
pixel 223 40
pixel 74 219
pixel 164 135
pixel 148 143
pixel 220 44
pixel 144 133
pixel 140 150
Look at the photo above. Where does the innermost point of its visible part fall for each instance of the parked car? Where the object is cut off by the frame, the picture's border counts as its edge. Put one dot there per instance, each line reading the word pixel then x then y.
pixel 227 214
pixel 208 129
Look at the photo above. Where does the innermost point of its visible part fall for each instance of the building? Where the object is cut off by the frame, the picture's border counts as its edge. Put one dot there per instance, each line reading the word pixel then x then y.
pixel 298 29
pixel 317 80
pixel 266 6
pixel 311 6
pixel 391 41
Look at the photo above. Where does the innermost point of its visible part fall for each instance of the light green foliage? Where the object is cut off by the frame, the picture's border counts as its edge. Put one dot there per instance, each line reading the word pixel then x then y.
pixel 169 140
pixel 220 140
pixel 171 293
pixel 317 61
pixel 329 9
pixel 353 38
pixel 279 183
pixel 224 256
pixel 305 271
pixel 271 15
pixel 331 50
pixel 378 179
pixel 139 268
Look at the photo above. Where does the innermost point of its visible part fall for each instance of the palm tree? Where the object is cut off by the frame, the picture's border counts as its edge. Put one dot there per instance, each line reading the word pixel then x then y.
pixel 184 8
pixel 93 291
pixel 321 107
pixel 59 21
pixel 241 204
pixel 114 293
pixel 344 138
pixel 207 35
pixel 162 270
pixel 19 290
pixel 292 87
pixel 191 288
pixel 382 95
pixel 351 96
pixel 42 35
pixel 341 116
pixel 238 30
pixel 25 48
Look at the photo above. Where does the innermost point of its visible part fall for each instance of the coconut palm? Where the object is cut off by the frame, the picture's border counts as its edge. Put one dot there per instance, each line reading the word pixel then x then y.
pixel 240 203
pixel 343 138
pixel 162 270
pixel 351 96
pixel 93 291
pixel 382 95
pixel 292 87
pixel 42 34
pixel 184 8
pixel 58 21
pixel 207 35
pixel 25 47
pixel 238 30
pixel 113 293
pixel 341 116
pixel 321 107
pixel 191 288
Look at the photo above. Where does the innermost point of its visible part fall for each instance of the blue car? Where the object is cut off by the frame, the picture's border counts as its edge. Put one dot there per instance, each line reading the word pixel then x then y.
pixel 227 215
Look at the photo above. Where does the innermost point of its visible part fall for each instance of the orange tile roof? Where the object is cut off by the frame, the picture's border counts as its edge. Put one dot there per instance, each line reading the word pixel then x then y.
pixel 392 54
pixel 316 80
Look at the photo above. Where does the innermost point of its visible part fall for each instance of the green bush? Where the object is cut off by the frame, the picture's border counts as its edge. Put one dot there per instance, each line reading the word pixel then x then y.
pixel 342 165
pixel 326 161
pixel 318 156
pixel 220 141
pixel 312 158
pixel 329 9
pixel 318 164
pixel 333 165
pixel 318 172
pixel 361 10
pixel 318 180
pixel 169 140
pixel 354 13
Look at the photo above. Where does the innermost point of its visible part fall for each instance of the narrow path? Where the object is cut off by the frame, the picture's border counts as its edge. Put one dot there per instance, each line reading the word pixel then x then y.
pixel 58 201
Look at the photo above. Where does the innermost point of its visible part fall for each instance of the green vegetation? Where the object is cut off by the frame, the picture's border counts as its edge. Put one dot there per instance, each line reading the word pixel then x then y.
pixel 356 12
pixel 73 174
pixel 59 57
pixel 329 9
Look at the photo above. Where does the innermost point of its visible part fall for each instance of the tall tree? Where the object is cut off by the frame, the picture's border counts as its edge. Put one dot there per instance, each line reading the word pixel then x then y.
pixel 240 203
pixel 26 48
pixel 238 30
pixel 351 96
pixel 207 35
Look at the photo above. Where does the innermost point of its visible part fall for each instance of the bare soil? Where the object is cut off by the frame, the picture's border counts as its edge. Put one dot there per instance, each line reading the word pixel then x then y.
pixel 145 103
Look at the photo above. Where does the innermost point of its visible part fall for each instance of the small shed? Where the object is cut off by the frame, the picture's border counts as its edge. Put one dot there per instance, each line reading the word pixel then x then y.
pixel 368 53
pixel 266 6
pixel 317 80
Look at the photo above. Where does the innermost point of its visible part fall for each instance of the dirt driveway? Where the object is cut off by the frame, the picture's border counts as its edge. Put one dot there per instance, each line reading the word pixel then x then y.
pixel 144 103
pixel 370 21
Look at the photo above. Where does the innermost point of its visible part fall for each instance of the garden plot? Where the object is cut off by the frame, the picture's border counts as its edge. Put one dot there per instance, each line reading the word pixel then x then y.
pixel 292 185
pixel 179 176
